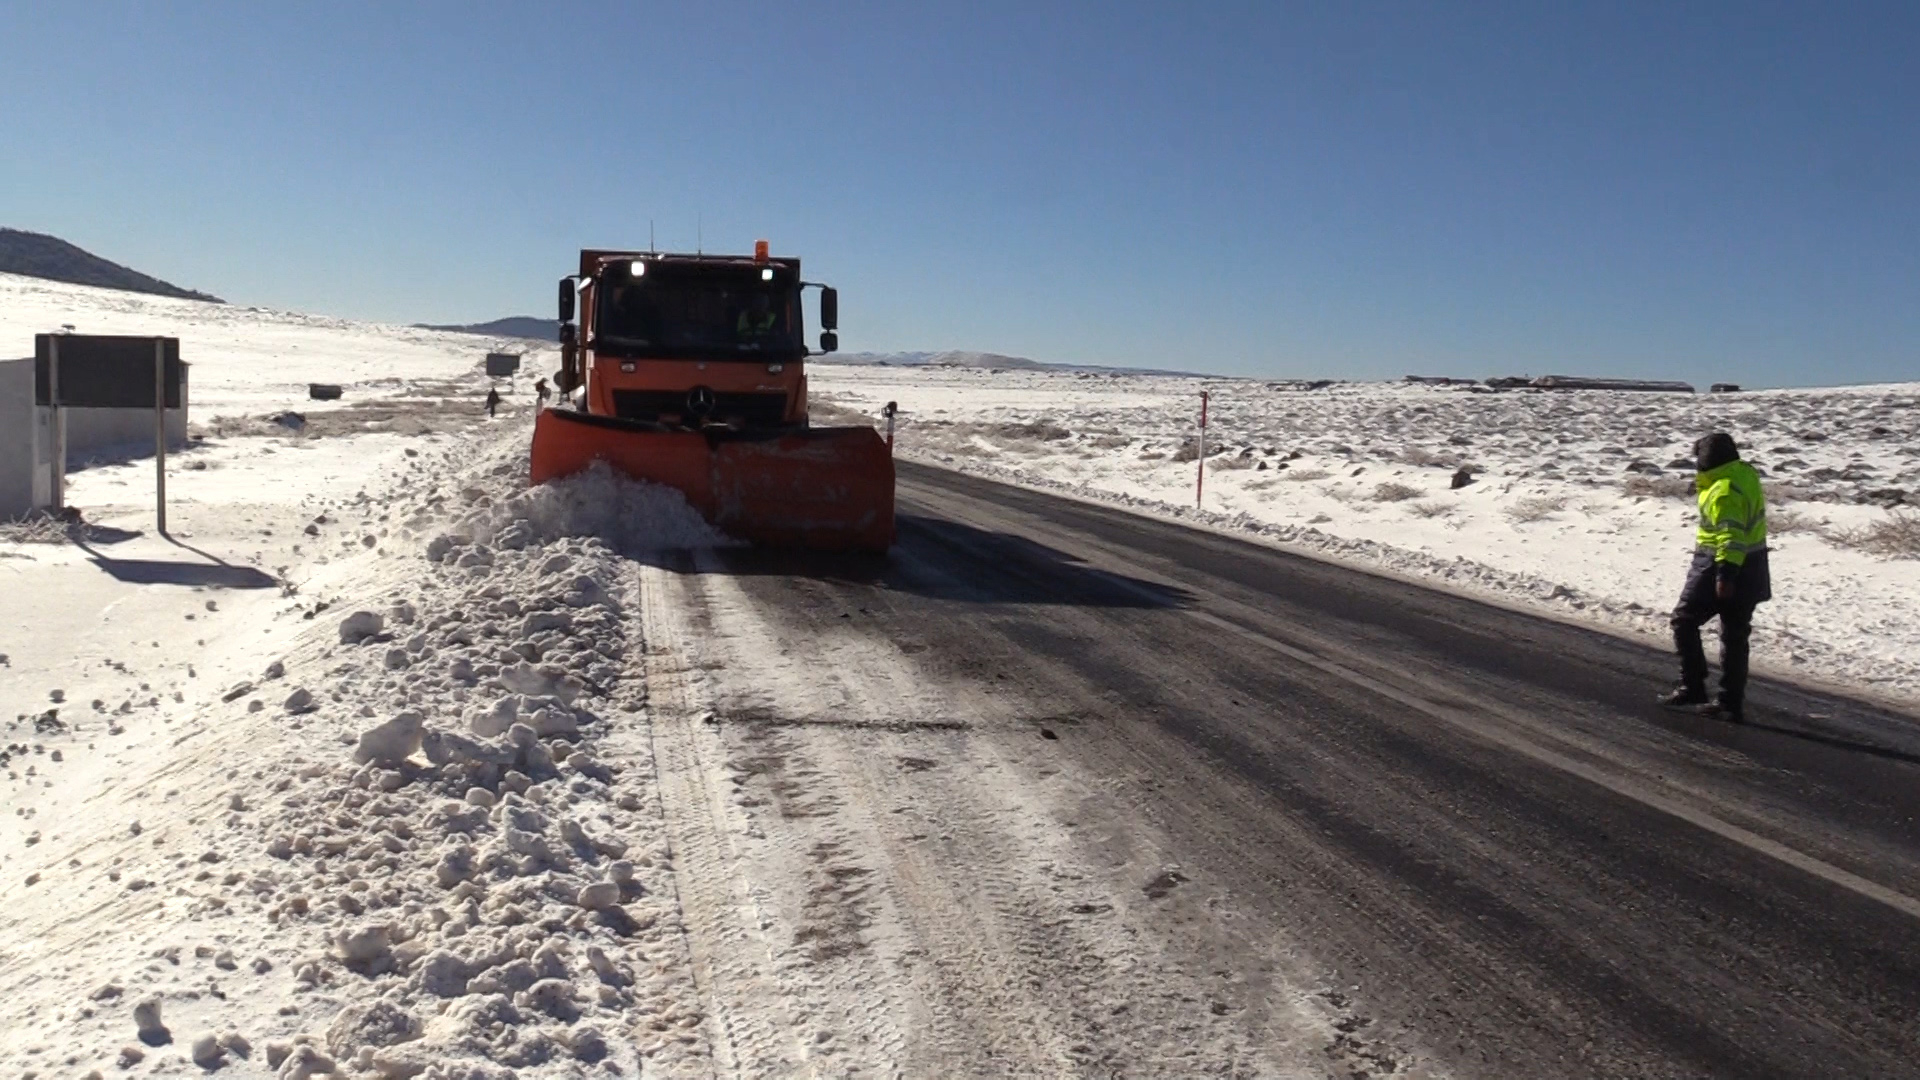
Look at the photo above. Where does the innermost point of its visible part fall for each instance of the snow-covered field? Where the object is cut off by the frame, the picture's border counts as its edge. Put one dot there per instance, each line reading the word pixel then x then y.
pixel 1580 505
pixel 246 361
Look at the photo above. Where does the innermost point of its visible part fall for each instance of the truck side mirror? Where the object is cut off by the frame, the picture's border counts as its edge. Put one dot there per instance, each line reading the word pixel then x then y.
pixel 829 309
pixel 566 300
pixel 829 341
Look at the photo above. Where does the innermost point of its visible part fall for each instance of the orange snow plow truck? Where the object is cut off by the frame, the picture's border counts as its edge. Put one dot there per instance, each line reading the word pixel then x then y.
pixel 690 371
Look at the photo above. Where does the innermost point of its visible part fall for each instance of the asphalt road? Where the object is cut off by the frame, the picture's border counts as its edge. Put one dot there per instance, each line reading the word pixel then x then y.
pixel 1464 835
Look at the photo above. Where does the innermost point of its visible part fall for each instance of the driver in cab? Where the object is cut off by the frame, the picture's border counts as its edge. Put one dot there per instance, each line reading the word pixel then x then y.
pixel 756 321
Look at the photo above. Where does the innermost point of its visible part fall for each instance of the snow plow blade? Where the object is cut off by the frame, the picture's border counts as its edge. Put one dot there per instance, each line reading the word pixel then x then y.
pixel 822 489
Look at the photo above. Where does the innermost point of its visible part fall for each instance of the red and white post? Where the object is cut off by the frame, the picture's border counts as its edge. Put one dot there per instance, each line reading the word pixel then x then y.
pixel 1200 479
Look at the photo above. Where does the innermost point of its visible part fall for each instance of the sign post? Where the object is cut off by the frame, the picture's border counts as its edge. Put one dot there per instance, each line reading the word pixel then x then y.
pixel 1200 481
pixel 59 462
pixel 160 433
pixel 888 412
pixel 96 371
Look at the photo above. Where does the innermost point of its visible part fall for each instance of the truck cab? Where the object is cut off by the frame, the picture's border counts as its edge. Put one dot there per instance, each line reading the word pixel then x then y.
pixel 690 341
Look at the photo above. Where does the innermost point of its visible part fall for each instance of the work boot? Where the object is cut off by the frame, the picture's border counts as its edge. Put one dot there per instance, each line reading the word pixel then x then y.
pixel 1685 697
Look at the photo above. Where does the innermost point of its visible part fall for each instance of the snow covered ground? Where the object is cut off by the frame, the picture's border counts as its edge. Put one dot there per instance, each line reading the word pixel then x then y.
pixel 246 361
pixel 355 769
pixel 1580 505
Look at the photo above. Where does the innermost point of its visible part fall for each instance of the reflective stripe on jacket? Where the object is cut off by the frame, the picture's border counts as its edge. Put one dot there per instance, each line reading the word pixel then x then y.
pixel 1733 513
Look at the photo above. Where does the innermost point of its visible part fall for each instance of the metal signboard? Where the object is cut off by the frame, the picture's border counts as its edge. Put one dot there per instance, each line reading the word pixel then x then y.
pixel 101 371
pixel 502 364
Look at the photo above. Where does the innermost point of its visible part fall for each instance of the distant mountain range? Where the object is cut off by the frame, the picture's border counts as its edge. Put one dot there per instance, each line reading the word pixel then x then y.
pixel 992 361
pixel 513 326
pixel 38 255
pixel 946 358
pixel 548 330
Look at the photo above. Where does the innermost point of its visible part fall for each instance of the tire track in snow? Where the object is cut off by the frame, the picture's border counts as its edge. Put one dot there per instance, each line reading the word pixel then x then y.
pixel 907 856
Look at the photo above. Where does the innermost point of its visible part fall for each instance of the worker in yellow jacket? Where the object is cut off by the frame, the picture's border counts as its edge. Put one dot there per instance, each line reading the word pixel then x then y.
pixel 1728 579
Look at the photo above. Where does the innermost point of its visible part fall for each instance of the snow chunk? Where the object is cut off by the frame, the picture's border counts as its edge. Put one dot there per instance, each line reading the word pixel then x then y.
pixel 360 626
pixel 443 974
pixel 599 502
pixel 207 1051
pixel 304 1062
pixel 146 1020
pixel 392 742
pixel 551 996
pixel 378 1024
pixel 599 896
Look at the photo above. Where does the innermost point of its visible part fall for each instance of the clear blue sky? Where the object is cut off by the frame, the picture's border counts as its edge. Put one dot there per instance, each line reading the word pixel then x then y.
pixel 1720 191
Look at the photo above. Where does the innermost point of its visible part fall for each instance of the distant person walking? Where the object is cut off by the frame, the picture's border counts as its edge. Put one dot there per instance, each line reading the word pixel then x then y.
pixel 493 400
pixel 540 392
pixel 1728 579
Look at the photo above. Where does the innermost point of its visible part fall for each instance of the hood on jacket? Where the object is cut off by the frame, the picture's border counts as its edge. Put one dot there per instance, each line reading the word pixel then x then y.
pixel 1713 451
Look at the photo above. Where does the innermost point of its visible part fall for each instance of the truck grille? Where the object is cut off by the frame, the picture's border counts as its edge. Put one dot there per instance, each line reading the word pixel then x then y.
pixel 753 410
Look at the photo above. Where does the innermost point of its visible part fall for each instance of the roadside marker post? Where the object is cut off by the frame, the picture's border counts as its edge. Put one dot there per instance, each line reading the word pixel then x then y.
pixel 892 408
pixel 1200 477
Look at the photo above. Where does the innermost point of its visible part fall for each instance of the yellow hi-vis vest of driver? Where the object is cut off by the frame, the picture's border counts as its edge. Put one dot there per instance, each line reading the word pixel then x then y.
pixel 1733 513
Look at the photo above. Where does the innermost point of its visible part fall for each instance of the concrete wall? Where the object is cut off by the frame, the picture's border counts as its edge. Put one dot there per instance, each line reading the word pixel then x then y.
pixel 26 437
pixel 18 435
pixel 115 433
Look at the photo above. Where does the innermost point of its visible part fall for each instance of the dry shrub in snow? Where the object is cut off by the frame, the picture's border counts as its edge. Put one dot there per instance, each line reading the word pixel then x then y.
pixel 1305 474
pixel 1109 442
pixel 1230 463
pixel 1430 509
pixel 1189 451
pixel 37 527
pixel 1783 520
pixel 57 527
pixel 1395 492
pixel 1659 487
pixel 1896 536
pixel 1536 508
pixel 1420 455
pixel 1038 430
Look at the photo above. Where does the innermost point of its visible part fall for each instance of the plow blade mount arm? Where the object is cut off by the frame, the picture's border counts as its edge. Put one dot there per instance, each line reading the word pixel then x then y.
pixel 823 489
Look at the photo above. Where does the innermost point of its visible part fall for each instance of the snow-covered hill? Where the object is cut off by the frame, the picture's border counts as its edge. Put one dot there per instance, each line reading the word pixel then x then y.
pixel 42 256
pixel 248 360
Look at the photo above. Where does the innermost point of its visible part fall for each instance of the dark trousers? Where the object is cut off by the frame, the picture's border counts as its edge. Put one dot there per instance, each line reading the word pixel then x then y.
pixel 1698 605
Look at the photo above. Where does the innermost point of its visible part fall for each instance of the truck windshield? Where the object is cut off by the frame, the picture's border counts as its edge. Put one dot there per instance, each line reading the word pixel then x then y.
pixel 707 315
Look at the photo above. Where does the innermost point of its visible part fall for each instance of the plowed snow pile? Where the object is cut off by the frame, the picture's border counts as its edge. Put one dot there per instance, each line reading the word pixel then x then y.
pixel 424 841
